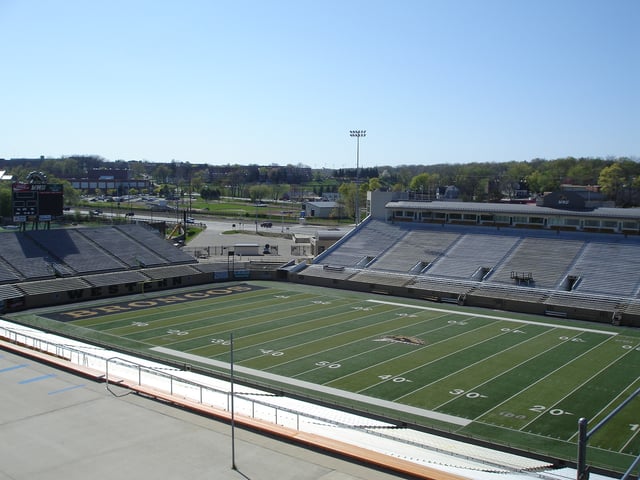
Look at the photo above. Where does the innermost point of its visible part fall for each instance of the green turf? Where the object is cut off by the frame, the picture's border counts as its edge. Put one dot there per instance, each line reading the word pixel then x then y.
pixel 519 380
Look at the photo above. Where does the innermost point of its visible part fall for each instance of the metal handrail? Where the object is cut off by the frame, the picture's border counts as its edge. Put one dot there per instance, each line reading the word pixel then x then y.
pixel 584 436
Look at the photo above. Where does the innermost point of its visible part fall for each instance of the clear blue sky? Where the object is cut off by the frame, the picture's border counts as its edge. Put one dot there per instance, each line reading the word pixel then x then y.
pixel 262 82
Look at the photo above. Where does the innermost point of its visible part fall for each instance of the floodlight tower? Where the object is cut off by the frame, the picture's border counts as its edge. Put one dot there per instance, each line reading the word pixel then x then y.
pixel 357 134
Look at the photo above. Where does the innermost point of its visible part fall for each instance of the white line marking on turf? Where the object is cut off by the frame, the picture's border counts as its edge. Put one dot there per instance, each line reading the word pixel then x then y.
pixel 532 322
pixel 320 388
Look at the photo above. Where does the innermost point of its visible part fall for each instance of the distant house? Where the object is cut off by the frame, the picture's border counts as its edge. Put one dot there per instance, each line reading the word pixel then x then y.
pixel 319 209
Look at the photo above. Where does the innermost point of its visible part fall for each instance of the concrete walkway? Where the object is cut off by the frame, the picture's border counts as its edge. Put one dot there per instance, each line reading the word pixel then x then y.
pixel 59 425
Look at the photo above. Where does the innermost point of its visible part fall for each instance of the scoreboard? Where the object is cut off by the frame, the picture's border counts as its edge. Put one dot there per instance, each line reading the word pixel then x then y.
pixel 36 201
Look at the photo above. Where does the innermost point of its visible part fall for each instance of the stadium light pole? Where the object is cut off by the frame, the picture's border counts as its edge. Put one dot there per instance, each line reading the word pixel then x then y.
pixel 357 134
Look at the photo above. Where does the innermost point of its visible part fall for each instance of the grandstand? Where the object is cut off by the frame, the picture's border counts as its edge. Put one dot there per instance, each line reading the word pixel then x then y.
pixel 47 267
pixel 572 274
pixel 420 250
pixel 554 272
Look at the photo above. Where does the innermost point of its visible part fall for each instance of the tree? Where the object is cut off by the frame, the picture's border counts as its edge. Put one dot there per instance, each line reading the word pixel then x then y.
pixel 612 179
pixel 374 184
pixel 207 193
pixel 5 199
pixel 347 198
pixel 424 183
pixel 259 192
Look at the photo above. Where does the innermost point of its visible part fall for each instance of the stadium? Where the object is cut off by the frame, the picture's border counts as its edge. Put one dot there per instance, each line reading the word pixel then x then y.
pixel 497 326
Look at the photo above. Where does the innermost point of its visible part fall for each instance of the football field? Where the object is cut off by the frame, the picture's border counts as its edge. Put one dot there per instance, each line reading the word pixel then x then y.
pixel 511 379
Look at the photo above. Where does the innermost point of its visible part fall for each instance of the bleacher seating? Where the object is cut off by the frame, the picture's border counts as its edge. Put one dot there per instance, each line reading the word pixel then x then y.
pixel 155 242
pixel 116 278
pixel 607 268
pixel 415 251
pixel 362 248
pixel 75 250
pixel 472 252
pixel 483 259
pixel 121 246
pixel 546 259
pixel 26 257
pixel 38 257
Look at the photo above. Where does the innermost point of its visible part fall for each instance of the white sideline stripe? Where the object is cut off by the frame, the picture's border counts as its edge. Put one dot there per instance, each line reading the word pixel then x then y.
pixel 321 388
pixel 533 322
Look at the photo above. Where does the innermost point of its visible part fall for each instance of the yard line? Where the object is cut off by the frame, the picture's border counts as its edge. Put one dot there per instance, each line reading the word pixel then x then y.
pixel 552 325
pixel 321 388
pixel 380 347
pixel 517 345
pixel 439 358
pixel 583 383
pixel 636 433
pixel 512 368
pixel 609 406
pixel 543 379
pixel 340 360
pixel 339 311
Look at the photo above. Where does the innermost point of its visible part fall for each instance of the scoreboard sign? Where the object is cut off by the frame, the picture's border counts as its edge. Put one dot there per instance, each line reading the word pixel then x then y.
pixel 36 201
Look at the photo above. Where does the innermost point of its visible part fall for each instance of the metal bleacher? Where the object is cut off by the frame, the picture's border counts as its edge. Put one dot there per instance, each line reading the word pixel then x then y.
pixel 415 251
pixel 472 252
pixel 155 242
pixel 369 242
pixel 547 260
pixel 29 261
pixel 606 268
pixel 42 261
pixel 124 247
pixel 461 259
pixel 75 250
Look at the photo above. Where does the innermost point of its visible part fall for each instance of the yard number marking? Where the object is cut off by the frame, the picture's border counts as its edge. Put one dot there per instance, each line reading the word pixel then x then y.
pixel 273 353
pixel 553 411
pixel 394 378
pixel 324 363
pixel 512 330
pixel 180 333
pixel 459 391
pixel 457 322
